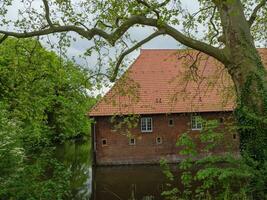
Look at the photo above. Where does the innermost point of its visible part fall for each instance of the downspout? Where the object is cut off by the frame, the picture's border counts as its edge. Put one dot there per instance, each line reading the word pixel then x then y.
pixel 94 142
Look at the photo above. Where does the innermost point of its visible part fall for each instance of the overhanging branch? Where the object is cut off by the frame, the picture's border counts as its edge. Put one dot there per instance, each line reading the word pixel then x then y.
pixel 146 4
pixel 3 39
pixel 125 53
pixel 213 24
pixel 47 13
pixel 253 16
pixel 124 27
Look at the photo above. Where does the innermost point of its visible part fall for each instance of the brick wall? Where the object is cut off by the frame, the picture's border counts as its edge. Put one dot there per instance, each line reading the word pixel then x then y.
pixel 117 149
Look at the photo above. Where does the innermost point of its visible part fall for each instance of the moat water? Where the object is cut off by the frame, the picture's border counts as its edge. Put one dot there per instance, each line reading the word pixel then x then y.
pixel 109 183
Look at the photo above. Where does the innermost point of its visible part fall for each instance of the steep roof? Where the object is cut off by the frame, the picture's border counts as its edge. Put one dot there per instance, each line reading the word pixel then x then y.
pixel 170 81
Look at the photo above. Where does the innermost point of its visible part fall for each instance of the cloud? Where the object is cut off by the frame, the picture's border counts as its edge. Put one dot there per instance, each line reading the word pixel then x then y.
pixel 78 47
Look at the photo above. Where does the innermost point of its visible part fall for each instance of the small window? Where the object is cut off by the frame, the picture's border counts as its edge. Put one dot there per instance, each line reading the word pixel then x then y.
pixel 196 122
pixel 234 136
pixel 104 142
pixel 170 123
pixel 132 141
pixel 146 124
pixel 159 140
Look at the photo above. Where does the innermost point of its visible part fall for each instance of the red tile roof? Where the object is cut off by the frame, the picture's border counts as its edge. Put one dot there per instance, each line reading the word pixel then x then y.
pixel 161 81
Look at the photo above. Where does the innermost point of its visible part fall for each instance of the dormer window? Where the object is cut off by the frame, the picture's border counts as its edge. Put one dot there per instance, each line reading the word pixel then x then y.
pixel 196 122
pixel 146 124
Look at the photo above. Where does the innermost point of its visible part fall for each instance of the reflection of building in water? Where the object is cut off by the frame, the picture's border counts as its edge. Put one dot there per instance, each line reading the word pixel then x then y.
pixel 162 95
pixel 128 183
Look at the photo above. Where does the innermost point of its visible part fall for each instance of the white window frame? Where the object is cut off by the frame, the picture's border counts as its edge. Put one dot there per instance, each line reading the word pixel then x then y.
pixel 132 143
pixel 146 120
pixel 195 124
pixel 102 141
pixel 161 140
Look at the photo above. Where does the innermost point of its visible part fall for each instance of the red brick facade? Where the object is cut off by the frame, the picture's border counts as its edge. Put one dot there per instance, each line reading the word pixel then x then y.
pixel 112 148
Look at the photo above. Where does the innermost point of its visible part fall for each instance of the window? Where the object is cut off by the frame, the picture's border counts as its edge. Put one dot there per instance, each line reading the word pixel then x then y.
pixel 104 142
pixel 146 124
pixel 170 123
pixel 159 140
pixel 196 122
pixel 132 141
pixel 234 136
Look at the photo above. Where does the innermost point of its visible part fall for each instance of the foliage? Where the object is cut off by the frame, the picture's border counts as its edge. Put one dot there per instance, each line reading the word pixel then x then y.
pixel 47 94
pixel 214 176
pixel 107 23
pixel 11 151
pixel 75 157
pixel 43 100
pixel 123 124
pixel 232 28
pixel 42 177
pixel 23 176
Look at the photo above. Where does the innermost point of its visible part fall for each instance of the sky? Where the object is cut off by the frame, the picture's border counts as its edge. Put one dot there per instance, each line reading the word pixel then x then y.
pixel 161 42
pixel 78 48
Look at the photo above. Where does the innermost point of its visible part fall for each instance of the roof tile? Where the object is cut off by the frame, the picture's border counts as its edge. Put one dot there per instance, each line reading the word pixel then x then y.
pixel 161 81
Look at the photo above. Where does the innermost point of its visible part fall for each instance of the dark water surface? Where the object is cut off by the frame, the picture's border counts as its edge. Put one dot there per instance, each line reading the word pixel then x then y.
pixel 108 183
pixel 128 182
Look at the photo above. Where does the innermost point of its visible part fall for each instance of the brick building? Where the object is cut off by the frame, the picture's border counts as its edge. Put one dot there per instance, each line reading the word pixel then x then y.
pixel 163 94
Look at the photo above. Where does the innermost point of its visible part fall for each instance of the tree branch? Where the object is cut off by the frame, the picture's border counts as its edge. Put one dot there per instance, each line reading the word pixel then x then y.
pixel 196 44
pixel 149 7
pixel 125 53
pixel 47 13
pixel 46 31
pixel 128 23
pixel 213 24
pixel 201 10
pixel 253 16
pixel 3 39
pixel 103 23
pixel 143 2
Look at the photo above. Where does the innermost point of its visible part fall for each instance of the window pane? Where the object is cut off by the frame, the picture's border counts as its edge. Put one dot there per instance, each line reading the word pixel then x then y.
pixel 149 124
pixel 143 124
pixel 170 122
pixel 193 122
pixel 196 122
pixel 159 140
pixel 146 124
pixel 132 141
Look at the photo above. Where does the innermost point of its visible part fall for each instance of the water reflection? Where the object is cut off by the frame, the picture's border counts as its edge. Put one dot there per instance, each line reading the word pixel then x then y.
pixel 108 183
pixel 75 155
pixel 128 183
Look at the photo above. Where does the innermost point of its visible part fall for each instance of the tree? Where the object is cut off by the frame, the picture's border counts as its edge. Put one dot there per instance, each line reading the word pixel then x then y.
pixel 233 28
pixel 43 100
pixel 46 94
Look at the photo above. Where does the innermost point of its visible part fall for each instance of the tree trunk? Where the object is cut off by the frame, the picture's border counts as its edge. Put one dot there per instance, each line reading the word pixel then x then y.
pixel 249 76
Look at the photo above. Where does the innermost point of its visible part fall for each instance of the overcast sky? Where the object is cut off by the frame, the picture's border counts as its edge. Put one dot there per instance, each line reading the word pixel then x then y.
pixel 78 48
pixel 161 42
